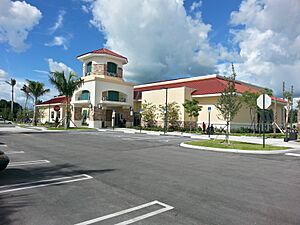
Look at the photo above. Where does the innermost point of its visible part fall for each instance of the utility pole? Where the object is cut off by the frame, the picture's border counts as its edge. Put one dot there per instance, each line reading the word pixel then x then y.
pixel 291 116
pixel 12 83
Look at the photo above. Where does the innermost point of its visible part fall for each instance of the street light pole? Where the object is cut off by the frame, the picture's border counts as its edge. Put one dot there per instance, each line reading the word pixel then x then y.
pixel 166 113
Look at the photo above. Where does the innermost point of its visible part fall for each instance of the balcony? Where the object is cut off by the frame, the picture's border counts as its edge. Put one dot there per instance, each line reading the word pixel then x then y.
pixel 105 98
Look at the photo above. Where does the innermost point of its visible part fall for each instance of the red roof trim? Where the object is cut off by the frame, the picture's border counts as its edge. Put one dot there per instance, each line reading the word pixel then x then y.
pixel 56 100
pixel 214 85
pixel 104 51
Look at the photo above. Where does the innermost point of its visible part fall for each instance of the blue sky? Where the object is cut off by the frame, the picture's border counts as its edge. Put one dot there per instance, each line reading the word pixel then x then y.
pixel 162 39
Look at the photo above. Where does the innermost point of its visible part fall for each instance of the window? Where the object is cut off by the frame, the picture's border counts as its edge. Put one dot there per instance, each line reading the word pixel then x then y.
pixel 112 68
pixel 52 115
pixel 88 68
pixel 85 95
pixel 58 114
pixel 113 96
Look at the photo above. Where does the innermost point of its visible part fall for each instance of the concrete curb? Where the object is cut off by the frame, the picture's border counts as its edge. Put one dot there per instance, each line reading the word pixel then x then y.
pixel 275 152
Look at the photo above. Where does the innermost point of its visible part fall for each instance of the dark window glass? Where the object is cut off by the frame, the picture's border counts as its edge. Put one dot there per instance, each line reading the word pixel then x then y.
pixel 113 96
pixel 111 68
pixel 89 67
pixel 85 95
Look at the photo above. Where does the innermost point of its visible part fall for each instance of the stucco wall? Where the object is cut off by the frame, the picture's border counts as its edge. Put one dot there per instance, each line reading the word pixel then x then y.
pixel 46 112
pixel 158 97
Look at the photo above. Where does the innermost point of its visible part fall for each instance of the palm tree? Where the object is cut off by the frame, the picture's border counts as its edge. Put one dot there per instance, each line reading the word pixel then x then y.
pixel 36 89
pixel 12 83
pixel 66 85
pixel 26 91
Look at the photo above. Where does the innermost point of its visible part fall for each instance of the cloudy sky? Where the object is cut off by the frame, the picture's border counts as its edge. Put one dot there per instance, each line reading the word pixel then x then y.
pixel 163 39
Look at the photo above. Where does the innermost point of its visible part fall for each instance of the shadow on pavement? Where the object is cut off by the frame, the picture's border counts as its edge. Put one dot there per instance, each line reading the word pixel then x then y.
pixel 9 206
pixel 31 174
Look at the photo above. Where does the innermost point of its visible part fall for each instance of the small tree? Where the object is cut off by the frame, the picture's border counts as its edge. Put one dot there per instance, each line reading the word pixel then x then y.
pixel 36 89
pixel 250 99
pixel 192 108
pixel 173 114
pixel 148 114
pixel 229 103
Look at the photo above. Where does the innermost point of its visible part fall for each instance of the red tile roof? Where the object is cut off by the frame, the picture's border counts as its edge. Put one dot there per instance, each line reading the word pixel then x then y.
pixel 106 52
pixel 55 100
pixel 211 85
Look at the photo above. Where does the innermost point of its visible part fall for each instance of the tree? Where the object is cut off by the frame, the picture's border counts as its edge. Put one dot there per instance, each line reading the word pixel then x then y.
pixel 192 108
pixel 148 114
pixel 229 102
pixel 5 109
pixel 36 89
pixel 26 91
pixel 249 99
pixel 288 96
pixel 12 83
pixel 66 85
pixel 173 114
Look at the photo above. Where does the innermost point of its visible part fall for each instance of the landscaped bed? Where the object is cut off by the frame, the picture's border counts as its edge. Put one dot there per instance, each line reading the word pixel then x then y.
pixel 235 145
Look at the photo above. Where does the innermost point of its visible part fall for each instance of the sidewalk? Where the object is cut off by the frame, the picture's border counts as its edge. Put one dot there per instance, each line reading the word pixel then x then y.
pixel 256 140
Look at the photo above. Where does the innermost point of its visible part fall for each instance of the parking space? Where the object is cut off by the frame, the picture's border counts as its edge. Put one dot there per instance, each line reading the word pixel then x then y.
pixel 115 178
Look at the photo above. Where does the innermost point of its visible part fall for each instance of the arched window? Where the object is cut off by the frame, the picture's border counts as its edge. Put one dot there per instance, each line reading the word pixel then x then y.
pixel 113 96
pixel 112 68
pixel 88 68
pixel 85 95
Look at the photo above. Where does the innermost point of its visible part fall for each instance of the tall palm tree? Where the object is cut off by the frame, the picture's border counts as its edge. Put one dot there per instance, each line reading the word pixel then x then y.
pixel 26 91
pixel 36 89
pixel 66 85
pixel 12 83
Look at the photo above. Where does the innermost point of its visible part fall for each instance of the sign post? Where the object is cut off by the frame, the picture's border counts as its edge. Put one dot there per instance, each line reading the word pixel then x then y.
pixel 264 101
pixel 141 111
pixel 208 127
pixel 113 119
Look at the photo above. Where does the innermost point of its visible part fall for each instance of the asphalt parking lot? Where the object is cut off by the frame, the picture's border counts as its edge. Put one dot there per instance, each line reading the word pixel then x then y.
pixel 115 178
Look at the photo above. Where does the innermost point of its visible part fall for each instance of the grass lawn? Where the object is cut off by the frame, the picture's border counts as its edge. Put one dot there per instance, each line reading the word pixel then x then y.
pixel 234 145
pixel 71 128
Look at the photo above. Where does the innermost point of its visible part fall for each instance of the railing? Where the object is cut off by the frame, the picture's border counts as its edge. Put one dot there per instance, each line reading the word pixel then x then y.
pixel 105 98
pixel 83 98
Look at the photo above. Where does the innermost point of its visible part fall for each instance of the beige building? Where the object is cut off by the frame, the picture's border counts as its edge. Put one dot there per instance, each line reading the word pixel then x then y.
pixel 52 110
pixel 105 99
pixel 207 90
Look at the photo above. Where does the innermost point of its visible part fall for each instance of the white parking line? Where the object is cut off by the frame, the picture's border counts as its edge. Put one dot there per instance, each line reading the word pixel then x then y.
pixel 133 220
pixel 293 154
pixel 26 163
pixel 43 183
pixel 13 152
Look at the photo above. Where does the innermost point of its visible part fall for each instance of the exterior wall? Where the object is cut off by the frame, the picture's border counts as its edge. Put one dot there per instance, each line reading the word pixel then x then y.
pixel 298 121
pixel 99 65
pixel 215 117
pixel 158 97
pixel 46 112
pixel 105 85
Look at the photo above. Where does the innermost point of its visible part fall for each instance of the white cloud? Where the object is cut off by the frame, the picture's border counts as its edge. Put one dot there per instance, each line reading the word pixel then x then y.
pixel 59 23
pixel 269 43
pixel 3 74
pixel 58 66
pixel 42 72
pixel 158 37
pixel 58 41
pixel 16 20
pixel 196 5
pixel 85 8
